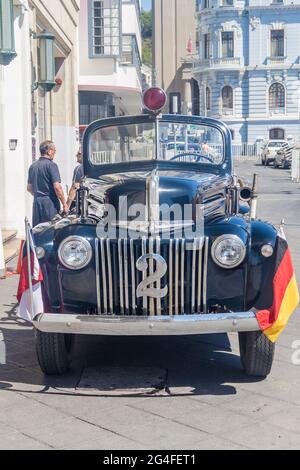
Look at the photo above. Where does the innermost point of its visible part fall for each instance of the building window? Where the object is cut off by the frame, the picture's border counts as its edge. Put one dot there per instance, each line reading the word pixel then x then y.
pixel 130 50
pixel 277 97
pixel 95 105
pixel 277 43
pixel 277 1
pixel 277 134
pixel 227 44
pixel 208 99
pixel 227 98
pixel 207 46
pixel 227 3
pixel 206 3
pixel 105 27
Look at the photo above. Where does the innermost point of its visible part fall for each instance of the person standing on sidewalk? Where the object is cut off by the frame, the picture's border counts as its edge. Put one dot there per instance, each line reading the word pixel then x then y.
pixel 77 177
pixel 44 183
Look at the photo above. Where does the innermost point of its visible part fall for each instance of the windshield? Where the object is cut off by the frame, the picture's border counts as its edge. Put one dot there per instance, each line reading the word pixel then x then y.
pixel 178 142
pixel 276 144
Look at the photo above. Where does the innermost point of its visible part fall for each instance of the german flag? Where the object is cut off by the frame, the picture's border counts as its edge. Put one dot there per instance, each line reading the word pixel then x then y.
pixel 285 294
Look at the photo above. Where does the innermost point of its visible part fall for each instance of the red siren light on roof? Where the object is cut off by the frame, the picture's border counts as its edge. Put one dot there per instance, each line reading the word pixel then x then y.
pixel 154 99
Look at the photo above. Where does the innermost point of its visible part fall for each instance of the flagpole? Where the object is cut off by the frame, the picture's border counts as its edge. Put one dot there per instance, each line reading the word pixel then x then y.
pixel 32 313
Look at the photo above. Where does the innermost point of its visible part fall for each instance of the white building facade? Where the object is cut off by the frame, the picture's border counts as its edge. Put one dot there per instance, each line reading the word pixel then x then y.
pixel 248 66
pixel 34 107
pixel 110 49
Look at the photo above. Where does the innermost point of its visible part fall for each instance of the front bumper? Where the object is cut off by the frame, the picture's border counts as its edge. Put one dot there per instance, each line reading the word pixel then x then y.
pixel 146 326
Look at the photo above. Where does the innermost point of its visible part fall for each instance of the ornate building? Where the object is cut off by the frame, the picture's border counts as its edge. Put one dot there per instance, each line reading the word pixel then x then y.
pixel 248 66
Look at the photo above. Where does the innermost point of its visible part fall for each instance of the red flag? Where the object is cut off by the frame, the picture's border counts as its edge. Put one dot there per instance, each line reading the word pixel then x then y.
pixel 189 46
pixel 26 310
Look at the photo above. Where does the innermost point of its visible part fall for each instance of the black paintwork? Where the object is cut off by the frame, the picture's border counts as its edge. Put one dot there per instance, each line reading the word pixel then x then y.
pixel 237 289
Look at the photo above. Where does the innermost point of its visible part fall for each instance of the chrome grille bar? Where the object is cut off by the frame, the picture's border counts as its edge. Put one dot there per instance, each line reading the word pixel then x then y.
pixel 133 286
pixel 145 300
pixel 104 283
pixel 182 281
pixel 118 277
pixel 158 283
pixel 121 276
pixel 176 276
pixel 193 287
pixel 110 278
pixel 126 272
pixel 151 271
pixel 171 277
pixel 97 260
pixel 206 243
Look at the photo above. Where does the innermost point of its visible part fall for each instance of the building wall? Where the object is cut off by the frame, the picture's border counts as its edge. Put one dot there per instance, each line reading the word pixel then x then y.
pixel 110 74
pixel 174 25
pixel 251 71
pixel 33 116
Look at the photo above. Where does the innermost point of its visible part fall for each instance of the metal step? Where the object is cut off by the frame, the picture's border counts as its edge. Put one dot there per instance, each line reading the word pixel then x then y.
pixel 11 250
pixel 8 235
pixel 10 244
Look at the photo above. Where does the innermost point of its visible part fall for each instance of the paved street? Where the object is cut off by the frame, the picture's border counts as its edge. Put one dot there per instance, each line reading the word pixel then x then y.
pixel 165 393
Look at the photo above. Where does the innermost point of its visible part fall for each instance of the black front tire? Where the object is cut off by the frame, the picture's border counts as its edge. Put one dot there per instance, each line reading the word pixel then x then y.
pixel 54 352
pixel 257 353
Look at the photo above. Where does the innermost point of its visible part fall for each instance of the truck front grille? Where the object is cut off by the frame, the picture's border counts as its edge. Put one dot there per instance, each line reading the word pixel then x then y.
pixel 118 277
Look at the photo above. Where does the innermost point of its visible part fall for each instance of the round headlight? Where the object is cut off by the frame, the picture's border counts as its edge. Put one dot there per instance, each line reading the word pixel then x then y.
pixel 228 251
pixel 75 253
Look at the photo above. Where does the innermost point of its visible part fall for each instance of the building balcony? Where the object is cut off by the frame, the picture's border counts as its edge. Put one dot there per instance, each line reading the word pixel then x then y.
pixel 276 60
pixel 217 63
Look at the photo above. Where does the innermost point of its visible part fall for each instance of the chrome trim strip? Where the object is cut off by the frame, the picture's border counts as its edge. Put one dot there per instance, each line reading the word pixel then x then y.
pixel 103 275
pixel 182 281
pixel 145 326
pixel 176 276
pixel 110 279
pixel 97 266
pixel 193 291
pixel 145 299
pixel 199 292
pixel 151 271
pixel 126 283
pixel 171 277
pixel 133 286
pixel 158 283
pixel 205 275
pixel 121 276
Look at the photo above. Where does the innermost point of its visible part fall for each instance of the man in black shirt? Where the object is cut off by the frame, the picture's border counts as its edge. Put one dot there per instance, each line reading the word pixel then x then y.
pixel 77 177
pixel 44 183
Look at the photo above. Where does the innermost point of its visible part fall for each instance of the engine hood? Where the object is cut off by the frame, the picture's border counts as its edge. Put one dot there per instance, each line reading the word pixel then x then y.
pixel 159 188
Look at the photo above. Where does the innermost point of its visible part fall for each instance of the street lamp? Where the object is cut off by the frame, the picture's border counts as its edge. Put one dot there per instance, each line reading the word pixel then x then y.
pixel 46 76
pixel 7 37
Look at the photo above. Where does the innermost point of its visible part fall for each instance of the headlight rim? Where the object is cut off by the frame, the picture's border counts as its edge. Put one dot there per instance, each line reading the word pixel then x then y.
pixel 85 242
pixel 226 237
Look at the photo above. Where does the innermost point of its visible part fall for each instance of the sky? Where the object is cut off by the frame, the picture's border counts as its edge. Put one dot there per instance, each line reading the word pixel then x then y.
pixel 146 4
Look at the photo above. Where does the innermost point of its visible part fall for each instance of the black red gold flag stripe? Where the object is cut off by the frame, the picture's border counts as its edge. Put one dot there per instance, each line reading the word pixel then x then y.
pixel 273 320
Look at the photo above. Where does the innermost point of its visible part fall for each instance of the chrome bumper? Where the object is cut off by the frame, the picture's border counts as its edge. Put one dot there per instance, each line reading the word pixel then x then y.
pixel 146 326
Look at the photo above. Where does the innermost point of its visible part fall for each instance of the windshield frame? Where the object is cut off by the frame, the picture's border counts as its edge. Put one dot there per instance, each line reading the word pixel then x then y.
pixel 94 171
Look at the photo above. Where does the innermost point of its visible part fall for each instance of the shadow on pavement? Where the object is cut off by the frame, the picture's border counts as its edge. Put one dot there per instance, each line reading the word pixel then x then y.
pixel 124 366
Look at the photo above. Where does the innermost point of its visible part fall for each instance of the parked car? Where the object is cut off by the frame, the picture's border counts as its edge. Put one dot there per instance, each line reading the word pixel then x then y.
pixel 270 150
pixel 283 157
pixel 162 245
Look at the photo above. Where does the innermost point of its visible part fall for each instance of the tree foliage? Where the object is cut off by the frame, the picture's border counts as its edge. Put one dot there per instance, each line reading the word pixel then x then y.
pixel 146 19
